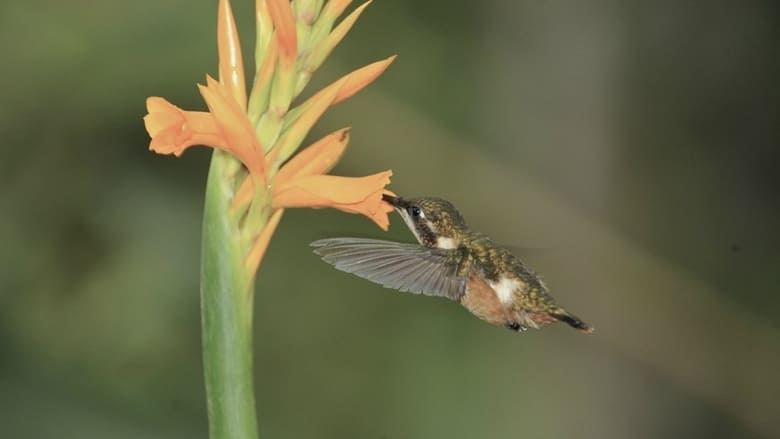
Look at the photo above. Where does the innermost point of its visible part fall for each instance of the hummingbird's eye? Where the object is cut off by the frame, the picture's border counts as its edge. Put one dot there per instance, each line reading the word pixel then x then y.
pixel 415 211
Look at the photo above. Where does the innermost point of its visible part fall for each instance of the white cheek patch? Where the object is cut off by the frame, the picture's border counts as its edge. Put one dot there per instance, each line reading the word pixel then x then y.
pixel 505 289
pixel 446 243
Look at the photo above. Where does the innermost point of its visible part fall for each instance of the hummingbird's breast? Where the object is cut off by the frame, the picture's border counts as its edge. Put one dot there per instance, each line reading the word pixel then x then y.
pixel 500 288
pixel 482 301
pixel 506 302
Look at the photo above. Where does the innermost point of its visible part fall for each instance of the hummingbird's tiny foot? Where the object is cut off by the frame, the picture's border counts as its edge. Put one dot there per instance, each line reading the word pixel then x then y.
pixel 514 326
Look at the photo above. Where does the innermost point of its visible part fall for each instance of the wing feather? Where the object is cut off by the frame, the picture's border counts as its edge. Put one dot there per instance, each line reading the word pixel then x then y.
pixel 401 266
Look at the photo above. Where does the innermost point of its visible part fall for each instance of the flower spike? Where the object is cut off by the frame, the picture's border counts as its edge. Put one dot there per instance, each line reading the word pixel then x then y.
pixel 259 172
pixel 260 132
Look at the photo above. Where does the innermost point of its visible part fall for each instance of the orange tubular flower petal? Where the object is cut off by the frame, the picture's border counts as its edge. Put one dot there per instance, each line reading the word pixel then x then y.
pixel 348 84
pixel 282 16
pixel 173 130
pixel 231 64
pixel 354 195
pixel 297 131
pixel 361 77
pixel 318 158
pixel 235 126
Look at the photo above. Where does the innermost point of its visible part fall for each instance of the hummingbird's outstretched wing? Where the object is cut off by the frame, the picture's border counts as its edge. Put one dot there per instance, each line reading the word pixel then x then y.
pixel 404 267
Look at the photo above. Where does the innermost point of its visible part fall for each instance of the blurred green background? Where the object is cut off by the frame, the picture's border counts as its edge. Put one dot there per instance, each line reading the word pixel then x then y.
pixel 635 143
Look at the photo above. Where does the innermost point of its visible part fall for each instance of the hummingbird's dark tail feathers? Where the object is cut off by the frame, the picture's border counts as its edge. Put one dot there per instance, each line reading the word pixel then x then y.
pixel 573 321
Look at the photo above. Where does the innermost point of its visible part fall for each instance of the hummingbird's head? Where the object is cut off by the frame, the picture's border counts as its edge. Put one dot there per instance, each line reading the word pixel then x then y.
pixel 433 221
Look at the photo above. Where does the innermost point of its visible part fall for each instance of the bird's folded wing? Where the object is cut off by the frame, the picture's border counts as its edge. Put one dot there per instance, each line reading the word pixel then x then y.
pixel 404 267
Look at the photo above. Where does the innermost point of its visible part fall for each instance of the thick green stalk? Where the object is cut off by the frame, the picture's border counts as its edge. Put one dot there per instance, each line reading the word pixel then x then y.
pixel 226 312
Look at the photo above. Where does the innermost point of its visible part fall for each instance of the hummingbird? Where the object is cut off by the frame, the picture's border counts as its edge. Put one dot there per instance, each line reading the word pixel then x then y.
pixel 450 260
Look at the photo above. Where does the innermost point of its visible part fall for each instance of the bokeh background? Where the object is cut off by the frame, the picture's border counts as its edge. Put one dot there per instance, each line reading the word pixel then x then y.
pixel 631 147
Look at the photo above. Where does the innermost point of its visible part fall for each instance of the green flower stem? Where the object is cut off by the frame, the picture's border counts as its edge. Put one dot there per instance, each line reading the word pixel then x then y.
pixel 226 312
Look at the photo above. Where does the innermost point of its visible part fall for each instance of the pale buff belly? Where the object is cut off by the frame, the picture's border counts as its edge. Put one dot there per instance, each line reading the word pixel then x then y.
pixel 482 301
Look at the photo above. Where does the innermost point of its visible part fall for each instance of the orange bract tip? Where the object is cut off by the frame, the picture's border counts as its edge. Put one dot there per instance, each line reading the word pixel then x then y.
pixel 346 24
pixel 266 70
pixel 334 8
pixel 361 195
pixel 327 44
pixel 360 78
pixel 318 158
pixel 282 16
pixel 231 64
pixel 256 253
pixel 263 22
pixel 243 195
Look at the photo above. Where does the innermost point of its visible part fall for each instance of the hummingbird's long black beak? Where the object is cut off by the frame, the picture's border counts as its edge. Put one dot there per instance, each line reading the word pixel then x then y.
pixel 397 202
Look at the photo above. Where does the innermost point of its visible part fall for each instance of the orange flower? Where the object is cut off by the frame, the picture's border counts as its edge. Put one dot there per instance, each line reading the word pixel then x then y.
pixel 302 181
pixel 224 127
